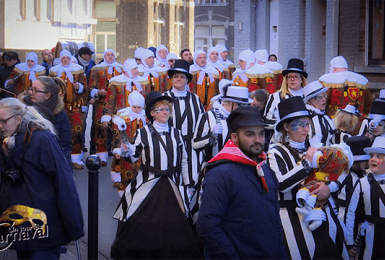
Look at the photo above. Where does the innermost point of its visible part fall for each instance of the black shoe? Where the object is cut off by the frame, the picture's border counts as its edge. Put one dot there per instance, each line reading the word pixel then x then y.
pixel 92 150
pixel 85 150
pixel 110 153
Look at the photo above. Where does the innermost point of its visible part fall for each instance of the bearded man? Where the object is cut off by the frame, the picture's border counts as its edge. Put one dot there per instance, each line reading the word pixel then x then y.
pixel 239 214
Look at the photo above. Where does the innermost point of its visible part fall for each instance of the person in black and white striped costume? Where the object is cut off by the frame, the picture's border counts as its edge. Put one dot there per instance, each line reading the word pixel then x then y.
pixel 293 82
pixel 368 200
pixel 186 111
pixel 151 213
pixel 315 99
pixel 293 161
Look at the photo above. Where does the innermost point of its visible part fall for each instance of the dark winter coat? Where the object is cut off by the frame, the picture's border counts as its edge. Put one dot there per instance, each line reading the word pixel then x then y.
pixel 238 219
pixel 48 185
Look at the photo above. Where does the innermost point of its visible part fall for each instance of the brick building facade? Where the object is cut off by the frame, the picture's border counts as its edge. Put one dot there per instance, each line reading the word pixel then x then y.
pixel 316 31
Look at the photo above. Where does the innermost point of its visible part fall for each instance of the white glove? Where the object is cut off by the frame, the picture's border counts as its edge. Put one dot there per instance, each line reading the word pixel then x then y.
pixel 218 129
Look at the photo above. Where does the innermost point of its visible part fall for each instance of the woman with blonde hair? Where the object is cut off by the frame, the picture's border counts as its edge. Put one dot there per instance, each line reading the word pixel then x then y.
pixel 345 121
pixel 294 79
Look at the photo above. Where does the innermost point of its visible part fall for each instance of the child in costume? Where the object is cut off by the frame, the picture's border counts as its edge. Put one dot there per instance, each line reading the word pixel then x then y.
pixel 126 122
pixel 367 205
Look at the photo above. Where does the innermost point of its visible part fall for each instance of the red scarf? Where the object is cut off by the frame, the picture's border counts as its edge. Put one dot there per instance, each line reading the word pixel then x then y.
pixel 232 152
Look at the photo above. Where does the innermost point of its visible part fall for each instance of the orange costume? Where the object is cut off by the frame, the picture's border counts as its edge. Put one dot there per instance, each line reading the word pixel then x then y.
pixel 23 75
pixel 100 76
pixel 346 88
pixel 73 100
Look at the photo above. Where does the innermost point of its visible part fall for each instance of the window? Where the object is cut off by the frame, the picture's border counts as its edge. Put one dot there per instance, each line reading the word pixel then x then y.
pixel 50 16
pixel 36 10
pixel 158 23
pixel 209 33
pixel 22 10
pixel 179 25
pixel 211 2
pixel 105 31
pixel 376 37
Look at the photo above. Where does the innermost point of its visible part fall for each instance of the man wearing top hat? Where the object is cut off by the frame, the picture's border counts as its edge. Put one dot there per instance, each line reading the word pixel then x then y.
pixel 315 99
pixel 186 110
pixel 239 214
pixel 368 199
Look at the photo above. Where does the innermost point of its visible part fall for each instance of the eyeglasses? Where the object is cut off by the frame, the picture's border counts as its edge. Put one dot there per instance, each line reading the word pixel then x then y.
pixel 171 60
pixel 34 91
pixel 161 110
pixel 293 77
pixel 5 121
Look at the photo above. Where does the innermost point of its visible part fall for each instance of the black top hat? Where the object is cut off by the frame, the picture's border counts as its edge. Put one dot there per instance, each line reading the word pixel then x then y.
pixel 295 65
pixel 357 145
pixel 244 116
pixel 377 108
pixel 10 55
pixel 151 99
pixel 290 109
pixel 181 66
pixel 85 50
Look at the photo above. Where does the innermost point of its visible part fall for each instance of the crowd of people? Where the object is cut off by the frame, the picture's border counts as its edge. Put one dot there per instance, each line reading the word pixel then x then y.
pixel 209 160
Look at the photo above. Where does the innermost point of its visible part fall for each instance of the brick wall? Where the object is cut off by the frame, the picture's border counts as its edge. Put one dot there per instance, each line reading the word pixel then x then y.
pixel 131 31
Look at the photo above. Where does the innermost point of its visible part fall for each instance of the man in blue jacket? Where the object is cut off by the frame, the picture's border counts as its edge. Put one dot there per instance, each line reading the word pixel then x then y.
pixel 239 214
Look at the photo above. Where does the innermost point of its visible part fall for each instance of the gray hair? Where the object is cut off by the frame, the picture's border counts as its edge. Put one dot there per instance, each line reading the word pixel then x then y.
pixel 29 116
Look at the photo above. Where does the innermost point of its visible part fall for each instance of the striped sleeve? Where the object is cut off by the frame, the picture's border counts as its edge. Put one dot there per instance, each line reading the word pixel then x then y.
pixel 201 134
pixel 289 174
pixel 270 108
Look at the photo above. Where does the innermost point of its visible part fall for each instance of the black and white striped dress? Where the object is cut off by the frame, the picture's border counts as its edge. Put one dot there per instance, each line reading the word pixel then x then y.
pixel 346 184
pixel 301 242
pixel 271 109
pixel 369 195
pixel 322 126
pixel 185 114
pixel 155 163
pixel 203 135
pixel 151 213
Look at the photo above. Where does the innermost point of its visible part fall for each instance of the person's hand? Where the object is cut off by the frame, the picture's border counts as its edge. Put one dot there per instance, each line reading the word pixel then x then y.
pixel 105 124
pixel 102 93
pixel 117 156
pixel 76 86
pixel 322 191
pixel 310 153
pixel 218 129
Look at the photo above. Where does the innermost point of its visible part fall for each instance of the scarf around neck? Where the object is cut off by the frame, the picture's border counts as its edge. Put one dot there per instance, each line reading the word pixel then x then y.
pixel 232 152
